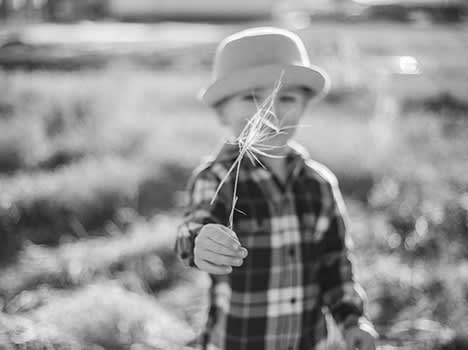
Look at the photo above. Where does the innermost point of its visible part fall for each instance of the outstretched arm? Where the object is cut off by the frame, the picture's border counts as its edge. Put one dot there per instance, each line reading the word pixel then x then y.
pixel 199 212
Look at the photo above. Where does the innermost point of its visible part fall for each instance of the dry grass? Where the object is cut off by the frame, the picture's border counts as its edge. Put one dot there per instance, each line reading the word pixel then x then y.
pixel 50 114
pixel 120 318
pixel 253 142
pixel 145 250
pixel 22 333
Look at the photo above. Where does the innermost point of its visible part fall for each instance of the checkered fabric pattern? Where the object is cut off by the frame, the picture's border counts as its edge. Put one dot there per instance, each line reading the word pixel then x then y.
pixel 298 261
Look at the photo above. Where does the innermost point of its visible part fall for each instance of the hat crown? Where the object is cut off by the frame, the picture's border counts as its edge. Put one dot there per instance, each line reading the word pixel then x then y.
pixel 258 47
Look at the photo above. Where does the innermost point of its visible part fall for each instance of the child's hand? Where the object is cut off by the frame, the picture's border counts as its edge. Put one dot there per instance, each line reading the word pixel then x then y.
pixel 217 249
pixel 360 337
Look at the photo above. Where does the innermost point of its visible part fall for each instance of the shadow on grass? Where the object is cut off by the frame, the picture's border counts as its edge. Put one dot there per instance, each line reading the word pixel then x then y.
pixel 443 104
pixel 142 257
pixel 163 192
pixel 97 207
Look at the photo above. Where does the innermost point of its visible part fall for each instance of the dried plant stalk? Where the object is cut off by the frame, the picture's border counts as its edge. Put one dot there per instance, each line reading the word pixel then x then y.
pixel 261 127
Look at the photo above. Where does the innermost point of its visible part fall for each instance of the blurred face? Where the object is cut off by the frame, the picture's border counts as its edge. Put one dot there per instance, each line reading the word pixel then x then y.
pixel 288 107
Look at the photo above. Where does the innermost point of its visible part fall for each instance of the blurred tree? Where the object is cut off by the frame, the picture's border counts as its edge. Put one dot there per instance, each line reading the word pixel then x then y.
pixel 51 9
pixel 70 10
pixel 5 8
pixel 339 7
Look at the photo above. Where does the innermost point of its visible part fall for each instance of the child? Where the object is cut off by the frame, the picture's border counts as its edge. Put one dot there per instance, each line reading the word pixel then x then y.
pixel 285 258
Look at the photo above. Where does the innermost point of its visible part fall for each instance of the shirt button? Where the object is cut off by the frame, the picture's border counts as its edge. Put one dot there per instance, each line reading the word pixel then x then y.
pixel 293 300
pixel 291 252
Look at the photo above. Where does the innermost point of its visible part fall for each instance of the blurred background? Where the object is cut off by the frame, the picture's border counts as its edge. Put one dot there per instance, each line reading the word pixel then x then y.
pixel 100 129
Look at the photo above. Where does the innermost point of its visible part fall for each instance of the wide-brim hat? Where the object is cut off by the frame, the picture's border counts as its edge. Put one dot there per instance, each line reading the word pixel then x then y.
pixel 261 57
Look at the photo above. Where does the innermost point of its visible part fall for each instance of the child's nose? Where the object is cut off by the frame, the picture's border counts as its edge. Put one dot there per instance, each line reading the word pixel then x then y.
pixel 276 106
pixel 277 109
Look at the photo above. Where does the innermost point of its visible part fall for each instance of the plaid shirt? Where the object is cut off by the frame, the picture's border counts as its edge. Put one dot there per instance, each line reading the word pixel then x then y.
pixel 298 261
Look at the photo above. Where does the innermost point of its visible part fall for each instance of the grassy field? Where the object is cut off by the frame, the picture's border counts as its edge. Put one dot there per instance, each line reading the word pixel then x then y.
pixel 93 166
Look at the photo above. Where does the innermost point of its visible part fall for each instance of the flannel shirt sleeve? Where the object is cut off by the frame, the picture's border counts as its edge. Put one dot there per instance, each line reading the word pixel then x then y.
pixel 343 296
pixel 199 212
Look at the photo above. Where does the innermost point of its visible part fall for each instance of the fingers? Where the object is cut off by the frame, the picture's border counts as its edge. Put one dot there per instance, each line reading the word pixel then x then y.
pixel 221 235
pixel 212 268
pixel 217 249
pixel 220 259
pixel 220 239
pixel 214 246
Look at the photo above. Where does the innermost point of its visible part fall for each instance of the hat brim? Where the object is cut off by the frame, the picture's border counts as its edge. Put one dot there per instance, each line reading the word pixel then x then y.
pixel 311 77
